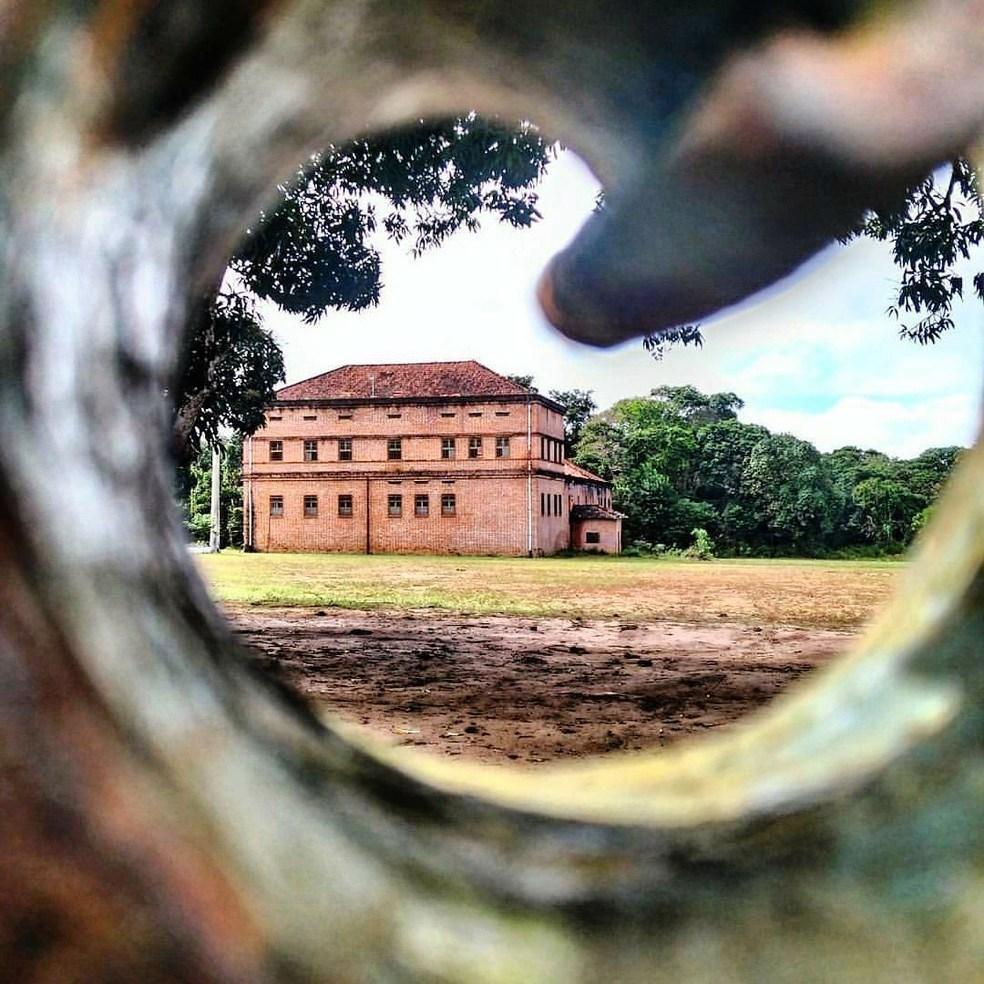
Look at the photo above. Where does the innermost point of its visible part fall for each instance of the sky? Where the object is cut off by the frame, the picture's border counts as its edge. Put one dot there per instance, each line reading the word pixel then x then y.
pixel 817 357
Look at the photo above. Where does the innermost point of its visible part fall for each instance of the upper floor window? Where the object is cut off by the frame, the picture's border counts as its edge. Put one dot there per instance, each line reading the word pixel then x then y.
pixel 310 506
pixel 502 447
pixel 394 505
pixel 394 448
pixel 543 503
pixel 345 505
pixel 345 449
pixel 474 413
pixel 421 505
pixel 310 450
pixel 474 447
pixel 311 416
pixel 447 447
pixel 447 504
pixel 276 505
pixel 276 450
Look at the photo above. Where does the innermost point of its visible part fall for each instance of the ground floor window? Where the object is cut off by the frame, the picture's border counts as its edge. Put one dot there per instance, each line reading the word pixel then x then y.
pixel 394 505
pixel 592 536
pixel 276 505
pixel 421 505
pixel 310 506
pixel 345 505
pixel 447 504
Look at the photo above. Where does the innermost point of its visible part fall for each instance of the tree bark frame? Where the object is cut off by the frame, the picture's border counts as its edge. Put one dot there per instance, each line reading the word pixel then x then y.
pixel 167 814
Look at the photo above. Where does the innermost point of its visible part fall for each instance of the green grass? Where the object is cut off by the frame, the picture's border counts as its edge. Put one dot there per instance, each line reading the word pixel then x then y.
pixel 797 592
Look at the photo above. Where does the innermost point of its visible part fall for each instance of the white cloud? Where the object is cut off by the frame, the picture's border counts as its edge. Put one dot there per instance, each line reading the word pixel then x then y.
pixel 903 429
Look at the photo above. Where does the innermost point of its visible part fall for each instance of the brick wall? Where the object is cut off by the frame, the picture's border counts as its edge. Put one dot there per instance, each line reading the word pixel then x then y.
pixel 490 490
pixel 489 516
pixel 609 533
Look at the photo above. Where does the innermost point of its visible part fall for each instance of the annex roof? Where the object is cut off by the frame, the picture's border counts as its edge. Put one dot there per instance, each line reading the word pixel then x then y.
pixel 403 380
pixel 576 471
pixel 591 511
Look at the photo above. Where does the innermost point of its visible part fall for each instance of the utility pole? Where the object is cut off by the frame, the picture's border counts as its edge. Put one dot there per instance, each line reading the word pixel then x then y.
pixel 213 537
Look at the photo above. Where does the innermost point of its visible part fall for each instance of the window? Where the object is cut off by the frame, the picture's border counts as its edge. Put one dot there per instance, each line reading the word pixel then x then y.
pixel 474 413
pixel 276 450
pixel 502 447
pixel 502 413
pixel 345 416
pixel 345 505
pixel 447 413
pixel 393 416
pixel 310 450
pixel 592 536
pixel 394 505
pixel 447 447
pixel 310 506
pixel 276 505
pixel 474 447
pixel 311 416
pixel 543 447
pixel 278 417
pixel 421 505
pixel 558 505
pixel 447 504
pixel 394 448
pixel 345 449
pixel 543 503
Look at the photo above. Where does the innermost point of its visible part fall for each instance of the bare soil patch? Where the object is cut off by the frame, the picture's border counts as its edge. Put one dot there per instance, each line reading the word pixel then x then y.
pixel 526 690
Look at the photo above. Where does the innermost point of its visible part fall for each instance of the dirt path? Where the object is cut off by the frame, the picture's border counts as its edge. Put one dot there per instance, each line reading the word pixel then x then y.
pixel 503 688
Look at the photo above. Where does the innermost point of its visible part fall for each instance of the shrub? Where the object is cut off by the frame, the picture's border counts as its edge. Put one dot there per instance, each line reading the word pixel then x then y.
pixel 703 546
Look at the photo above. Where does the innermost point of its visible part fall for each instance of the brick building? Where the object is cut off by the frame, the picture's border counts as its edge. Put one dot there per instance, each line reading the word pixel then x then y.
pixel 432 457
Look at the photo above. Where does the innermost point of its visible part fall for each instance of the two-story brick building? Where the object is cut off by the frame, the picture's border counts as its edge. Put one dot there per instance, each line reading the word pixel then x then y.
pixel 433 457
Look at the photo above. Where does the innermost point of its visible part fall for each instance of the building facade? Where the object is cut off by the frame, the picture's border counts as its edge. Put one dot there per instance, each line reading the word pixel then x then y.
pixel 439 457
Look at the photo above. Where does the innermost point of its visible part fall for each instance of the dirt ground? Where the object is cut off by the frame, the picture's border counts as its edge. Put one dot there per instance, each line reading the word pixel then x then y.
pixel 528 690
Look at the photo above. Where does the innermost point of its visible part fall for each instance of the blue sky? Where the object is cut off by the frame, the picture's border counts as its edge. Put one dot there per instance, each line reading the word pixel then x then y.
pixel 817 357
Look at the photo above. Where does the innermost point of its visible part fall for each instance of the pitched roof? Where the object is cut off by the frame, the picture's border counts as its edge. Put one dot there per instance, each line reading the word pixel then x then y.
pixel 576 471
pixel 403 379
pixel 591 511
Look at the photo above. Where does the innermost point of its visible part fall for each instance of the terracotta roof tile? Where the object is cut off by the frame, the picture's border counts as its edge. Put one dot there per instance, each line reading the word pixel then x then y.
pixel 403 379
pixel 576 471
pixel 591 511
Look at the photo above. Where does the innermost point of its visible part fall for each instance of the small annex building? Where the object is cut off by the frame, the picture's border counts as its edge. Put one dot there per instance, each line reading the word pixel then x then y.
pixel 430 457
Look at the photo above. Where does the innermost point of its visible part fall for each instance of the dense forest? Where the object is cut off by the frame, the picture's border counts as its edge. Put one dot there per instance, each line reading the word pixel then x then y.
pixel 680 461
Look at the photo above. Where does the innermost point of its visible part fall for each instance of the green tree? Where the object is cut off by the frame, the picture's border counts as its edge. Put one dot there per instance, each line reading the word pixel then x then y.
pixel 887 509
pixel 195 481
pixel 314 251
pixel 525 381
pixel 695 407
pixel 936 227
pixel 793 494
pixel 578 406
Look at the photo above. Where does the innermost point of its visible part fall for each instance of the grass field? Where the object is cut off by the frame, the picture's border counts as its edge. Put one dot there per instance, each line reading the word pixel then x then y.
pixel 832 594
